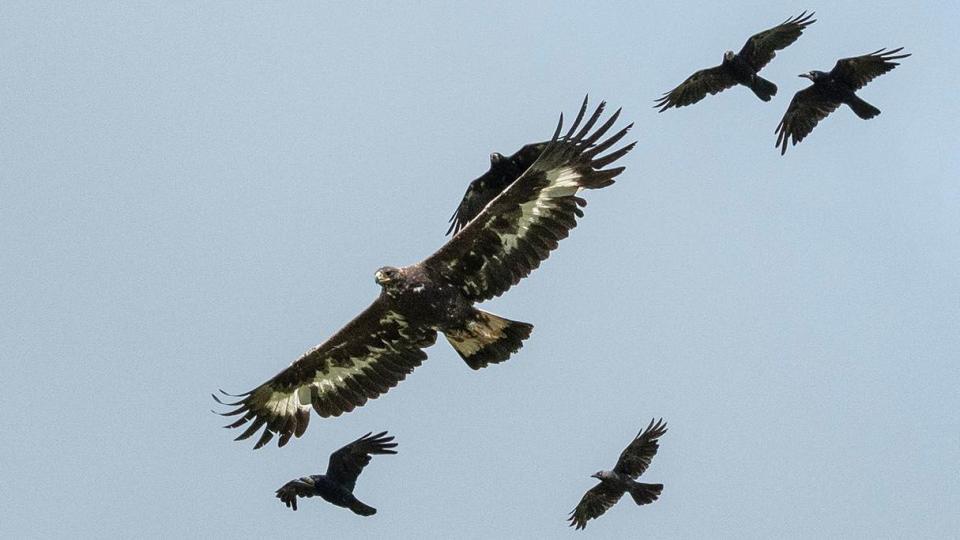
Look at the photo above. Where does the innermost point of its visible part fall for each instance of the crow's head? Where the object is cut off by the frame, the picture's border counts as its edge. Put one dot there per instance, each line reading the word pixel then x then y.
pixel 814 76
pixel 600 475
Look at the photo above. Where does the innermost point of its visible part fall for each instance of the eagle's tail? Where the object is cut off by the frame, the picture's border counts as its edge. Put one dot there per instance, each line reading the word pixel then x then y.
pixel 763 88
pixel 645 493
pixel 488 338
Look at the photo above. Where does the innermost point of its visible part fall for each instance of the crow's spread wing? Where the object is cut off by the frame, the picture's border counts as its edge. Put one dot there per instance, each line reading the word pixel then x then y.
pixel 347 463
pixel 857 71
pixel 760 49
pixel 594 503
pixel 301 487
pixel 807 108
pixel 636 457
pixel 696 87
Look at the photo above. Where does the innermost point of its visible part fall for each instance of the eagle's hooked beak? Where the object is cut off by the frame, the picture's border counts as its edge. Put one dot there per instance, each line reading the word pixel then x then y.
pixel 595 475
pixel 380 277
pixel 805 76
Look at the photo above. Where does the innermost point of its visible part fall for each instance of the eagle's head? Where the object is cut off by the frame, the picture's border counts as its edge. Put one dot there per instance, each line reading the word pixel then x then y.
pixel 495 158
pixel 814 76
pixel 728 56
pixel 387 276
pixel 600 475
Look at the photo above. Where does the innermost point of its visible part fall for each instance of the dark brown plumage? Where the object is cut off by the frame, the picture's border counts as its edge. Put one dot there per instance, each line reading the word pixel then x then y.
pixel 506 241
pixel 633 461
pixel 740 68
pixel 830 90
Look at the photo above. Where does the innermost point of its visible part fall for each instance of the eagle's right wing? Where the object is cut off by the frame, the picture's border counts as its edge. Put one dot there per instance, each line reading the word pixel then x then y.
pixel 503 172
pixel 367 357
pixel 519 228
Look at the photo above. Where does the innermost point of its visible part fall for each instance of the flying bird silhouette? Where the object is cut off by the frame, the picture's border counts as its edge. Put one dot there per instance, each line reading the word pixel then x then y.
pixel 830 90
pixel 346 464
pixel 503 171
pixel 739 68
pixel 502 244
pixel 633 461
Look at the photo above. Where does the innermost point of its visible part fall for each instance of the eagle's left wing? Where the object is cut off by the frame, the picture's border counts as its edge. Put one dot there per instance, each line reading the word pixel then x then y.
pixel 367 357
pixel 519 228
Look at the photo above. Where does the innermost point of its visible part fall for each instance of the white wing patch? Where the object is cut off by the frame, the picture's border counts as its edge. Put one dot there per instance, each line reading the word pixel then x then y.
pixel 563 182
pixel 287 403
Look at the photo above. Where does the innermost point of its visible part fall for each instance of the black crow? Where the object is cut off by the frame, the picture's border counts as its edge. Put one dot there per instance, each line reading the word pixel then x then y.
pixel 613 484
pixel 337 485
pixel 739 68
pixel 503 171
pixel 829 90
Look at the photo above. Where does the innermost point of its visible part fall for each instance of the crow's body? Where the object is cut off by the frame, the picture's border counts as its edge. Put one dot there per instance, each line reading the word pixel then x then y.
pixel 745 74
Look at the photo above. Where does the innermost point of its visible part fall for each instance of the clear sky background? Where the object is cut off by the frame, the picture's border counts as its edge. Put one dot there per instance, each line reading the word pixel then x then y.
pixel 193 195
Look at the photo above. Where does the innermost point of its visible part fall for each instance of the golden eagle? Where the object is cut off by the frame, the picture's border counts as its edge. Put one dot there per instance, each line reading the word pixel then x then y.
pixel 502 244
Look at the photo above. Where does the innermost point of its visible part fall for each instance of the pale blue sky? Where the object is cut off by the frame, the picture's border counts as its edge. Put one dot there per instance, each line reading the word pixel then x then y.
pixel 192 196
